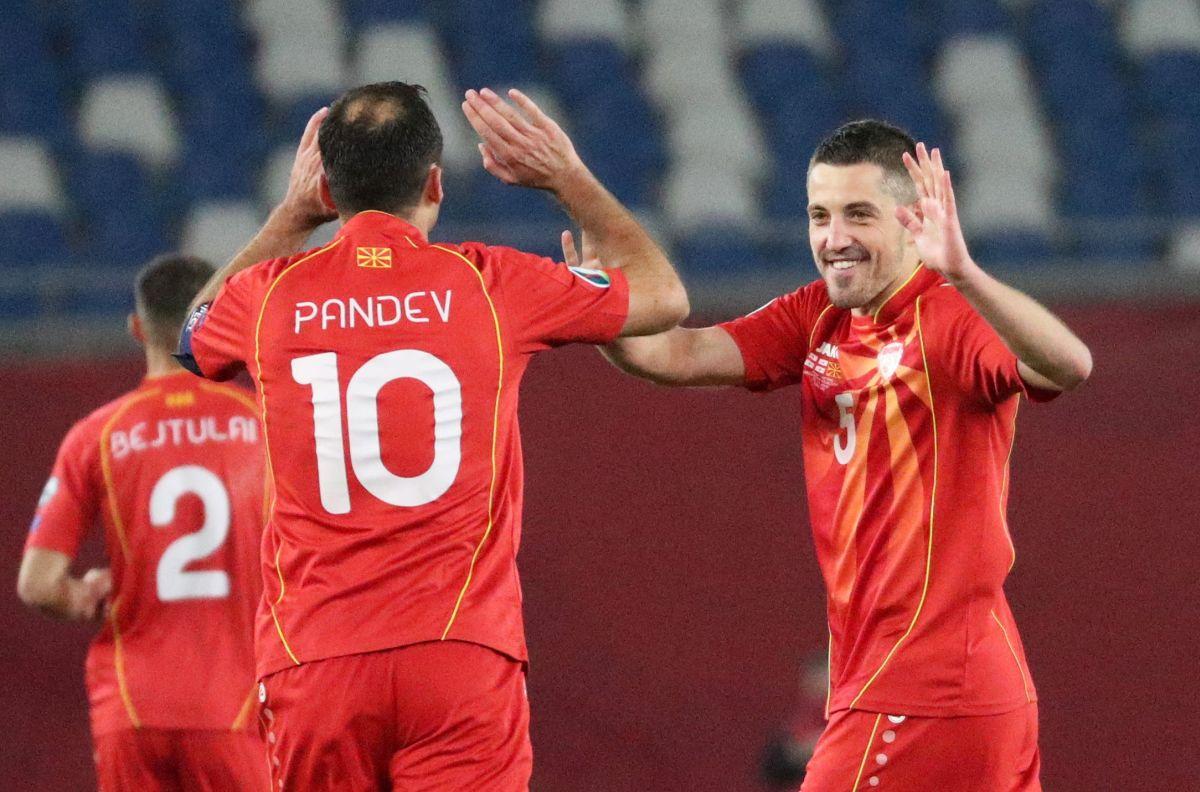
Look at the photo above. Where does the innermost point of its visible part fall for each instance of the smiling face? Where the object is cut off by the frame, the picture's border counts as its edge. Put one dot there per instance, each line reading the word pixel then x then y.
pixel 861 250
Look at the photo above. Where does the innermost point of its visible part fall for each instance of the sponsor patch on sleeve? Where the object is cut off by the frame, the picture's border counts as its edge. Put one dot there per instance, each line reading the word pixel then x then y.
pixel 598 278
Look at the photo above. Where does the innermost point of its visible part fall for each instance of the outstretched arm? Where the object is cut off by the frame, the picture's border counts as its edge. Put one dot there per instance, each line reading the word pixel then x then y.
pixel 680 356
pixel 526 147
pixel 45 583
pixel 290 223
pixel 1049 355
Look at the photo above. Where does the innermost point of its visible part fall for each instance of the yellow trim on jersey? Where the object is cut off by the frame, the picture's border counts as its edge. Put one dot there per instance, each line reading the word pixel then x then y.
pixel 119 664
pixel 495 432
pixel 932 509
pixel 812 333
pixel 1004 489
pixel 900 288
pixel 106 468
pixel 262 392
pixel 244 713
pixel 866 752
pixel 1017 660
pixel 829 675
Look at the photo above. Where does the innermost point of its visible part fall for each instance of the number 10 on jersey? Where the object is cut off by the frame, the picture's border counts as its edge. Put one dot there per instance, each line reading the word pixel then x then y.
pixel 320 371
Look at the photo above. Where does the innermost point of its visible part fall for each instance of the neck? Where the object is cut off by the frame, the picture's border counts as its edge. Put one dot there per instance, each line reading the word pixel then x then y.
pixel 886 293
pixel 422 217
pixel 159 363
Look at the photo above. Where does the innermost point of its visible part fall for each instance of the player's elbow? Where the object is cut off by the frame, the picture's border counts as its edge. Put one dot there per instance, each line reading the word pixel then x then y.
pixel 1078 370
pixel 34 591
pixel 671 306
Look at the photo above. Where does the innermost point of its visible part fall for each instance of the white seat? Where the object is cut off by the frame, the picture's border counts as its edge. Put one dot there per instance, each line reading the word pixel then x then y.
pixel 664 21
pixel 718 131
pixel 1007 138
pixel 282 19
pixel 276 172
pixel 129 113
pixel 565 20
pixel 295 67
pixel 1183 254
pixel 410 53
pixel 678 73
pixel 999 201
pixel 218 230
pixel 695 197
pixel 29 178
pixel 976 70
pixel 1149 26
pixel 795 21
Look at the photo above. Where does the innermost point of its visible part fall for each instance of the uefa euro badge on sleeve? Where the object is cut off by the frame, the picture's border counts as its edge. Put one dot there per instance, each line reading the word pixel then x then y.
pixel 598 278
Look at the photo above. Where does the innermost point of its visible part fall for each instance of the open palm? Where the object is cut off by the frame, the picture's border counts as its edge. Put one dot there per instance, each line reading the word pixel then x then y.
pixel 934 223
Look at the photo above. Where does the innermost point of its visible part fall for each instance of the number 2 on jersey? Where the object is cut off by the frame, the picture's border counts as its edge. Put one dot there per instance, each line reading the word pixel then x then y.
pixel 174 583
pixel 362 421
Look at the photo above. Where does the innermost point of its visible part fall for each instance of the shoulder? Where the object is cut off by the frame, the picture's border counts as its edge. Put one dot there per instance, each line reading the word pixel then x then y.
pixel 943 306
pixel 231 397
pixel 87 431
pixel 265 272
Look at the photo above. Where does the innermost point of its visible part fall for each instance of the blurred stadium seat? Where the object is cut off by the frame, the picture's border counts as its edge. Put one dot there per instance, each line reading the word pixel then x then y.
pixel 1074 125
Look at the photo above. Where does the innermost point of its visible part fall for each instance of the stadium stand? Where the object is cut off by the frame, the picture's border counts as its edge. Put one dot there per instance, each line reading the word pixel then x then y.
pixel 133 127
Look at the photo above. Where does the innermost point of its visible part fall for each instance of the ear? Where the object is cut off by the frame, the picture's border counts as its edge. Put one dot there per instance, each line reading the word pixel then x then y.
pixel 134 324
pixel 433 185
pixel 326 196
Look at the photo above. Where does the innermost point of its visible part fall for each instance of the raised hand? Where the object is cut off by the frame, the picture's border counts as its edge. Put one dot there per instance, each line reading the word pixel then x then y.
pixel 92 594
pixel 523 147
pixel 304 202
pixel 586 256
pixel 934 226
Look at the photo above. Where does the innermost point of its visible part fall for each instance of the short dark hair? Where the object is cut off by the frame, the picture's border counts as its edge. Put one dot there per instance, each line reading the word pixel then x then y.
pixel 377 144
pixel 164 290
pixel 876 142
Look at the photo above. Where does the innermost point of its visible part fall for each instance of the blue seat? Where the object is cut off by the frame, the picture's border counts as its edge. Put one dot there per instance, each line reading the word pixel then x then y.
pixel 215 174
pixel 583 69
pixel 21 302
pixel 717 251
pixel 1169 81
pixel 364 13
pixel 971 18
pixel 29 238
pixel 1013 248
pixel 785 197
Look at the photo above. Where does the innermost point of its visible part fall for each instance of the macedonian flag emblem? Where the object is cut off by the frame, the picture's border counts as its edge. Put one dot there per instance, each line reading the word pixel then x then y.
pixel 375 257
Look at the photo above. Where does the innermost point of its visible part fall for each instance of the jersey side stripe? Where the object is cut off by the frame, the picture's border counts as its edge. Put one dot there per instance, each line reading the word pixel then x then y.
pixel 262 392
pixel 866 752
pixel 119 663
pixel 1017 660
pixel 495 431
pixel 932 509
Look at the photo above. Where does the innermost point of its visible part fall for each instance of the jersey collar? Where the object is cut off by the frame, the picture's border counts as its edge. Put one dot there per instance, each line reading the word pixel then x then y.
pixel 389 226
pixel 921 279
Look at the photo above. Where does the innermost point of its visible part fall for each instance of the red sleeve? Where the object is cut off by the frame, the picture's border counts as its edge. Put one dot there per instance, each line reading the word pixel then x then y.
pixel 71 498
pixel 549 304
pixel 973 352
pixel 219 338
pixel 774 339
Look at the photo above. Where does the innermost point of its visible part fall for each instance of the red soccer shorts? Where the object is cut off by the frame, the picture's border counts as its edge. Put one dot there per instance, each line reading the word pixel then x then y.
pixel 180 760
pixel 443 716
pixel 893 753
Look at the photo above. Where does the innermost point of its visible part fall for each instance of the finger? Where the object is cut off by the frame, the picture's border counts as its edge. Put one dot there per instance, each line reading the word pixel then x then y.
pixel 312 127
pixel 492 140
pixel 493 165
pixel 530 108
pixel 939 169
pixel 498 123
pixel 589 249
pixel 908 219
pixel 509 112
pixel 914 172
pixel 926 168
pixel 950 204
pixel 570 255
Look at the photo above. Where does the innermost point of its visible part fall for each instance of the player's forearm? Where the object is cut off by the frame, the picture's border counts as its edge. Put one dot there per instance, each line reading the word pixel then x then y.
pixel 60 597
pixel 282 234
pixel 657 296
pixel 1036 336
pixel 682 356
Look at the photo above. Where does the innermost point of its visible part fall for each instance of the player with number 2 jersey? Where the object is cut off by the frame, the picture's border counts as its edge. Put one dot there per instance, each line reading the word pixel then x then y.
pixel 173 471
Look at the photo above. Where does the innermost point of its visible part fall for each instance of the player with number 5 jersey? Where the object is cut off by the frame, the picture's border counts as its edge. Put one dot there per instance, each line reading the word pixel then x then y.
pixel 174 472
pixel 388 369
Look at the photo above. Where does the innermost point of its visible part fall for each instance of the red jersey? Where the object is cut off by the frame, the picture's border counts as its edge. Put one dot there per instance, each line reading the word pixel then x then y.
pixel 174 472
pixel 387 371
pixel 908 419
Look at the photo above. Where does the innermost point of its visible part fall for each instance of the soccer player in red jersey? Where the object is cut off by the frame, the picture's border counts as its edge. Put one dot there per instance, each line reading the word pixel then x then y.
pixel 390 642
pixel 911 361
pixel 173 470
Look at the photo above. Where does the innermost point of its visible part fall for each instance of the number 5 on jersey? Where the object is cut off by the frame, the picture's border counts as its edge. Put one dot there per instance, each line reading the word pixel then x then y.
pixel 362 421
pixel 843 449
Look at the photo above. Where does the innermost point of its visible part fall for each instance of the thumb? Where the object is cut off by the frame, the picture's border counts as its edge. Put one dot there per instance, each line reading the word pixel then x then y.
pixel 908 218
pixel 570 254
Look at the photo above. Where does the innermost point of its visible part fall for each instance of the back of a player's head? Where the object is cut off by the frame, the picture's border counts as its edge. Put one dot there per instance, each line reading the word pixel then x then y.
pixel 377 145
pixel 875 142
pixel 163 291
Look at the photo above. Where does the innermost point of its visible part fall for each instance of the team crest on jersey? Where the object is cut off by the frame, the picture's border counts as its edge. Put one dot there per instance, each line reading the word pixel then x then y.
pixel 374 257
pixel 888 359
pixel 593 276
